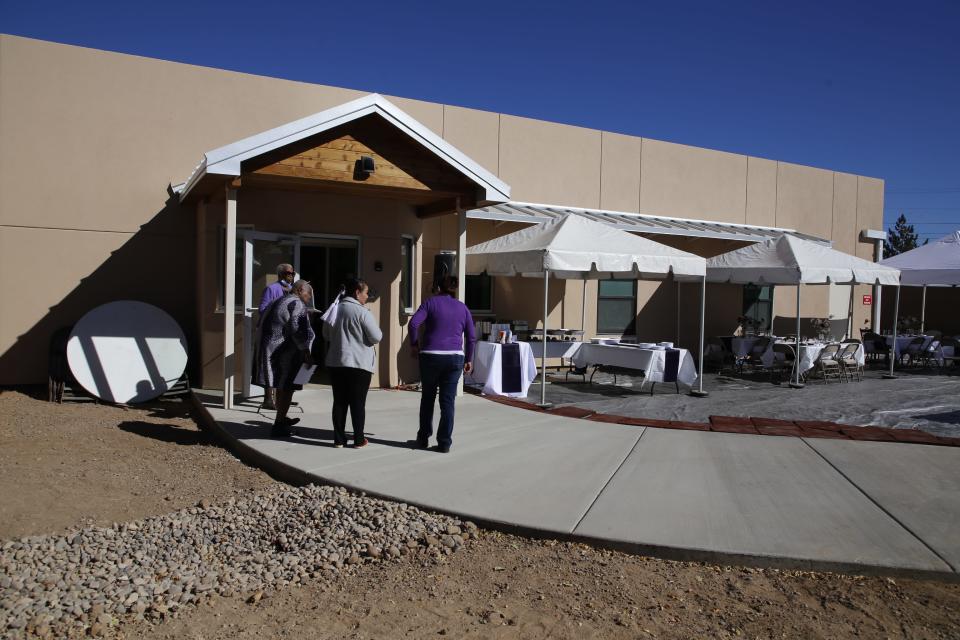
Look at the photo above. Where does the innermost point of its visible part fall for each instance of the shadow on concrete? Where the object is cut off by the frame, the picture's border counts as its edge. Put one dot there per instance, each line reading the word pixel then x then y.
pixel 166 433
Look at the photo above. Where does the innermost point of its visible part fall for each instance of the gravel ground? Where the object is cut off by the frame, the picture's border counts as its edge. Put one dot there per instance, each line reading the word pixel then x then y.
pixel 152 532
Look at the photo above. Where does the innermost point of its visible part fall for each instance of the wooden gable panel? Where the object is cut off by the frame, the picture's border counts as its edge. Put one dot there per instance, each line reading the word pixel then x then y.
pixel 400 162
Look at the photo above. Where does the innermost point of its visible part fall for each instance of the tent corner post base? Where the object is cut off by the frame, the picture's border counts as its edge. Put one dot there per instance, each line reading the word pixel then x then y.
pixel 797 385
pixel 696 393
pixel 544 405
pixel 889 376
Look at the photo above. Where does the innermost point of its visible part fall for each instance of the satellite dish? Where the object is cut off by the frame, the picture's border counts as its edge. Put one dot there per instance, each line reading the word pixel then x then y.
pixel 127 352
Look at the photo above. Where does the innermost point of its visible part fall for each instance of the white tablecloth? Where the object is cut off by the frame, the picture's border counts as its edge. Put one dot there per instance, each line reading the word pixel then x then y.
pixel 555 348
pixel 488 372
pixel 903 341
pixel 741 347
pixel 810 352
pixel 651 361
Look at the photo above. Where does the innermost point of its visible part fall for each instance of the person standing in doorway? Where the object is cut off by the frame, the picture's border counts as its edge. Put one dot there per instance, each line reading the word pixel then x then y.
pixel 271 293
pixel 442 337
pixel 285 341
pixel 350 359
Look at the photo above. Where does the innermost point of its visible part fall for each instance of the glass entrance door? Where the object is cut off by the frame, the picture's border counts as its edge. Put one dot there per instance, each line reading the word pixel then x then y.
pixel 262 253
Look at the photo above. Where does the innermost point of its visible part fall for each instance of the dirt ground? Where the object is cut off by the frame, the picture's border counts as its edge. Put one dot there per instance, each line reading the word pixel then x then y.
pixel 75 464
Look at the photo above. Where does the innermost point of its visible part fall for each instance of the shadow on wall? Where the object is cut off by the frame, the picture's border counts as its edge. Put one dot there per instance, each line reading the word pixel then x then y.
pixel 155 265
pixel 941 313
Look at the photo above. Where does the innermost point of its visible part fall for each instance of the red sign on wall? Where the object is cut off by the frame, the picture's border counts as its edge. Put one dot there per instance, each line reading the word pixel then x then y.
pixel 868 300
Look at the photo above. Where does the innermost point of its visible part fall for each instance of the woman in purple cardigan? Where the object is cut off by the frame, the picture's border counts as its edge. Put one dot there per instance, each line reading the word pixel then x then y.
pixel 441 335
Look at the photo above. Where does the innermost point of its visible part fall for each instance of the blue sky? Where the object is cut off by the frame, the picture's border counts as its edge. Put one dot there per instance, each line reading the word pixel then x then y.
pixel 866 87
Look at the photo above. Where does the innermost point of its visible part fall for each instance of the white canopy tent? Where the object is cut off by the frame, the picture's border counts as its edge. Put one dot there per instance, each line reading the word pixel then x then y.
pixel 788 260
pixel 933 264
pixel 572 247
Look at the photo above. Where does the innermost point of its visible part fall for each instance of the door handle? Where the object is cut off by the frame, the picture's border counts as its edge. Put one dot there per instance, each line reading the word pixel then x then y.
pixel 252 309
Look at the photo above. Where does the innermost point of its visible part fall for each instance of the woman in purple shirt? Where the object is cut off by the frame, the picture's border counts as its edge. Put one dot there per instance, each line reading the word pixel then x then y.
pixel 441 335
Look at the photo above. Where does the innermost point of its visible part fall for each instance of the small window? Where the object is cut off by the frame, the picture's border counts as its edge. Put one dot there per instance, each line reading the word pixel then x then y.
pixel 479 293
pixel 758 306
pixel 407 262
pixel 617 307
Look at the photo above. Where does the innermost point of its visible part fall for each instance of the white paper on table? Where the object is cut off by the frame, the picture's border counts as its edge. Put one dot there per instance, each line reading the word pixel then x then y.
pixel 304 375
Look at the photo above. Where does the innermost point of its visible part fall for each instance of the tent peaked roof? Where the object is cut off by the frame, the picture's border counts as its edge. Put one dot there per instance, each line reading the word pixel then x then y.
pixel 226 160
pixel 790 260
pixel 935 263
pixel 574 247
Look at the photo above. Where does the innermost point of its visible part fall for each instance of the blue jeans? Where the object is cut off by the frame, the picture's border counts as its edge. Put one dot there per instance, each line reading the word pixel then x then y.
pixel 438 372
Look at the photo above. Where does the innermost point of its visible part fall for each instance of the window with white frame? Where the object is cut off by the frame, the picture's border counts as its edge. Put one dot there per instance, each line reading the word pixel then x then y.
pixel 617 307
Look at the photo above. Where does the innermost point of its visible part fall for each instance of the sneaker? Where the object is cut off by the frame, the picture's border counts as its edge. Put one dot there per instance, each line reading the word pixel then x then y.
pixel 338 446
pixel 360 445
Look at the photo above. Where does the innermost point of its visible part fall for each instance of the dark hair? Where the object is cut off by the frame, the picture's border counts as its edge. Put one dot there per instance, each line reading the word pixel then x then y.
pixel 352 285
pixel 449 284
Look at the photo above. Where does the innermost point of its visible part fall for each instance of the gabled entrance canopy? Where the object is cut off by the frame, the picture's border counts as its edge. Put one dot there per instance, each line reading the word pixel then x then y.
pixel 411 162
pixel 367 147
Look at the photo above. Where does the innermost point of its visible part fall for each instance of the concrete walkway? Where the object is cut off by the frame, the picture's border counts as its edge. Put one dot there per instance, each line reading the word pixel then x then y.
pixel 777 501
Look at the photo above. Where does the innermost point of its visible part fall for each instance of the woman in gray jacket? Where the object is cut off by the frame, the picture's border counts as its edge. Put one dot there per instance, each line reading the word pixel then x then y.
pixel 350 359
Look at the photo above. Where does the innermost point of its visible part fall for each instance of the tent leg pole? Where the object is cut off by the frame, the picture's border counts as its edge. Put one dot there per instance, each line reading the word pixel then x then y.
pixel 796 384
pixel 923 311
pixel 893 347
pixel 699 392
pixel 543 354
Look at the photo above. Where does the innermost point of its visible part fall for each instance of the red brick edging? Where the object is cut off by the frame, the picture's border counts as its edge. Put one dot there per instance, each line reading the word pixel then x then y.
pixel 754 426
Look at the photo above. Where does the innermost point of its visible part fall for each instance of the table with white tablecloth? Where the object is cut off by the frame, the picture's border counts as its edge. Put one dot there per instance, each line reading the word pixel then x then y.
pixel 810 352
pixel 651 361
pixel 555 348
pixel 488 367
pixel 742 347
pixel 903 341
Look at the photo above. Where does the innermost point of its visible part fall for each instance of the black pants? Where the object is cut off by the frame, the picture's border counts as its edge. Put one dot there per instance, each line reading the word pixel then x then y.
pixel 350 388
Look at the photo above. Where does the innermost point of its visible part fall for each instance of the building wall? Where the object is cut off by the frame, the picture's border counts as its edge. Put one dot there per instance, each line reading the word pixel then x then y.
pixel 91 140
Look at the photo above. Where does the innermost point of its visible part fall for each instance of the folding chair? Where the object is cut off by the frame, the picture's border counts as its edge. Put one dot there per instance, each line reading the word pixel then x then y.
pixel 847 357
pixel 827 363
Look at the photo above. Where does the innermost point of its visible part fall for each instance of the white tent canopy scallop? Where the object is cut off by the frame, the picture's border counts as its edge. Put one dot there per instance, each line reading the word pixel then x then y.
pixel 790 260
pixel 127 352
pixel 935 263
pixel 572 247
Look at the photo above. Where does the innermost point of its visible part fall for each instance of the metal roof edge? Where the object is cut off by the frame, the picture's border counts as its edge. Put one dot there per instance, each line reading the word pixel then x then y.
pixel 226 160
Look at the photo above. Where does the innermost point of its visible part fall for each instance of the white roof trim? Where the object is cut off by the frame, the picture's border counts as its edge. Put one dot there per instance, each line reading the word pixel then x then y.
pixel 226 160
pixel 535 213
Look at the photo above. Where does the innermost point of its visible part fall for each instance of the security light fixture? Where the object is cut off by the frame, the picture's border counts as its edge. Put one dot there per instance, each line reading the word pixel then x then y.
pixel 364 168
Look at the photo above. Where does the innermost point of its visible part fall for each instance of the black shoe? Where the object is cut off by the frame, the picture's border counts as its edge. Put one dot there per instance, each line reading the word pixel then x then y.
pixel 421 443
pixel 289 422
pixel 282 430
pixel 440 449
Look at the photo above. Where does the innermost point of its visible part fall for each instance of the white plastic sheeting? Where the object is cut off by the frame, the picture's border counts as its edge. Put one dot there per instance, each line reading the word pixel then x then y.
pixel 789 260
pixel 935 263
pixel 574 247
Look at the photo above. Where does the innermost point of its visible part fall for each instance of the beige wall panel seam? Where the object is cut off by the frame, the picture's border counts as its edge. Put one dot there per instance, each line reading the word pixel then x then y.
pixel 600 190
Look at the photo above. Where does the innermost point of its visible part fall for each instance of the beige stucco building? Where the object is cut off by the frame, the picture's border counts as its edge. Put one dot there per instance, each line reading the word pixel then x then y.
pixel 101 198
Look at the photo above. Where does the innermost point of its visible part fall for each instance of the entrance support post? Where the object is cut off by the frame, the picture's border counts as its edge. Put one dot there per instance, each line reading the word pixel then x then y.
pixel 796 384
pixel 229 295
pixel 893 347
pixel 699 392
pixel 461 266
pixel 543 354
